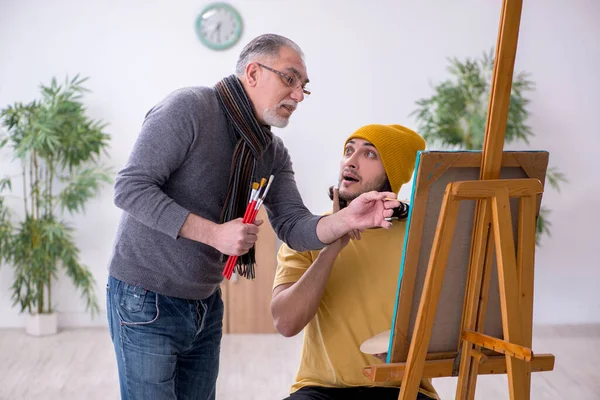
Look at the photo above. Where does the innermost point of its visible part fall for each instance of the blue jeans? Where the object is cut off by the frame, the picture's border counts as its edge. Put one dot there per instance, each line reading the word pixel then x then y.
pixel 166 347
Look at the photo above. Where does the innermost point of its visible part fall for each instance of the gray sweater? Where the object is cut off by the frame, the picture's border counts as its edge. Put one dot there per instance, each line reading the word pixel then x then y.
pixel 180 163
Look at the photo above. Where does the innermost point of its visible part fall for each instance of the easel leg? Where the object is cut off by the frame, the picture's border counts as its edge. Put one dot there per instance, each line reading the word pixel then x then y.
pixel 519 371
pixel 429 297
pixel 525 270
pixel 481 313
pixel 476 300
pixel 476 274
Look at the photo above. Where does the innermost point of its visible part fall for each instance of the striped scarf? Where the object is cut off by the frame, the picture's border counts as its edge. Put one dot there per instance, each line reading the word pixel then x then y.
pixel 251 139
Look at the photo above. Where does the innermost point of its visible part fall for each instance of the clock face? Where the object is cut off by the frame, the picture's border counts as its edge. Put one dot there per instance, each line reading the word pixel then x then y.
pixel 219 26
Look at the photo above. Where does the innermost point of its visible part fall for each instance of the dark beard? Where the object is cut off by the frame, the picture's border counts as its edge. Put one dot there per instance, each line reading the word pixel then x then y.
pixel 344 200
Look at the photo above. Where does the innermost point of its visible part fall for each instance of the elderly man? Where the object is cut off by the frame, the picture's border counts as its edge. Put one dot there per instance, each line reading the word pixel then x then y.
pixel 183 193
pixel 344 294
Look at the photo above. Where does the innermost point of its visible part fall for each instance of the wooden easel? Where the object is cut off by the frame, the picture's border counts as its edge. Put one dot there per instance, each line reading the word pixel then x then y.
pixel 492 231
pixel 515 277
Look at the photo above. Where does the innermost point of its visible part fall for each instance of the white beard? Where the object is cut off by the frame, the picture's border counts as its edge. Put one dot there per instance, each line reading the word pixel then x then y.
pixel 272 119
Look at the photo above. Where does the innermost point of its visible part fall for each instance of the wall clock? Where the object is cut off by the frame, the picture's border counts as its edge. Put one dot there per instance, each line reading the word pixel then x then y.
pixel 219 26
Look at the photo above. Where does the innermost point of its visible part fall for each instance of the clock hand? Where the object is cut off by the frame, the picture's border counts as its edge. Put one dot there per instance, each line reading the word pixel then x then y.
pixel 218 32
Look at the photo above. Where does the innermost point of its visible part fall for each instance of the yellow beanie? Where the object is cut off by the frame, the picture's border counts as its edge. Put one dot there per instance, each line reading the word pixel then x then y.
pixel 397 147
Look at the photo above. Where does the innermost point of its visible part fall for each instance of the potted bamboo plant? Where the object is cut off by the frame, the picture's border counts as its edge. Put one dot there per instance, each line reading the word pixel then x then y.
pixel 58 147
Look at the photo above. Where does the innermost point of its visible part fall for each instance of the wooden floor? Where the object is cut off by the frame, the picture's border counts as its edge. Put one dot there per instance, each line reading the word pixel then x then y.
pixel 79 364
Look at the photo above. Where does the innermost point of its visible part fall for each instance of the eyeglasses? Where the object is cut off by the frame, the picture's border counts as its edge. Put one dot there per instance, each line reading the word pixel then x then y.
pixel 290 80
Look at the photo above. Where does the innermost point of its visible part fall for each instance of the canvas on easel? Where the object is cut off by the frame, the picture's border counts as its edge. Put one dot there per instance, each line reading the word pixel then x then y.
pixel 433 172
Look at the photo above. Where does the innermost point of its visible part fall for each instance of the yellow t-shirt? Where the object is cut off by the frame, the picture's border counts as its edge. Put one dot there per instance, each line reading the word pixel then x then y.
pixel 357 304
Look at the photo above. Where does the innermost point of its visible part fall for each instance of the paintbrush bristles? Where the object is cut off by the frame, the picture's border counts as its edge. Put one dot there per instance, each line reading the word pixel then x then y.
pixel 253 192
pixel 268 185
pixel 261 189
pixel 264 194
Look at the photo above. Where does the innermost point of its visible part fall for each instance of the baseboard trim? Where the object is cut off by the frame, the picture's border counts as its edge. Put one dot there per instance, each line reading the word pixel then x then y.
pixel 76 319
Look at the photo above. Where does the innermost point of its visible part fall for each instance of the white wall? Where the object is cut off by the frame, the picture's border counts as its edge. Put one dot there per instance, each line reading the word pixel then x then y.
pixel 368 62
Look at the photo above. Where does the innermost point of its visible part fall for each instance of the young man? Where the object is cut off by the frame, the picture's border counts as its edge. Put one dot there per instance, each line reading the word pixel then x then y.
pixel 183 194
pixel 344 294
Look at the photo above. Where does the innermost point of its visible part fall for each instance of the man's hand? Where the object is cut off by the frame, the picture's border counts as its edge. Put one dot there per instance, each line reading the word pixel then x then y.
pixel 234 238
pixel 370 209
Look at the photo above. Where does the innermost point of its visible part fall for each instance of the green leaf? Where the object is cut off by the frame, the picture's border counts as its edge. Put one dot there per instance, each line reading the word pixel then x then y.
pixel 80 275
pixel 555 177
pixel 543 224
pixel 5 183
pixel 82 187
pixel 6 233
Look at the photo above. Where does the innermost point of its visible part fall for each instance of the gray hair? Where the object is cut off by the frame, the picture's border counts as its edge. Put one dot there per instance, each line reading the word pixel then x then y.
pixel 268 45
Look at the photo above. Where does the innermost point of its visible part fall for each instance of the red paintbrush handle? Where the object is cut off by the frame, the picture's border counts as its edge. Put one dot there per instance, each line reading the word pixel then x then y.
pixel 249 217
pixel 233 259
pixel 230 263
pixel 249 211
pixel 254 214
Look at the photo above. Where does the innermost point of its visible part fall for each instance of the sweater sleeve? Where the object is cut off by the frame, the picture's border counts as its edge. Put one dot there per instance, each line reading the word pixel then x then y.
pixel 289 217
pixel 167 133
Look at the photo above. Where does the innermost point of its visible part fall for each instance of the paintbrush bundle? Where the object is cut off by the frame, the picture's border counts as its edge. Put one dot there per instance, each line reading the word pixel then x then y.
pixel 257 198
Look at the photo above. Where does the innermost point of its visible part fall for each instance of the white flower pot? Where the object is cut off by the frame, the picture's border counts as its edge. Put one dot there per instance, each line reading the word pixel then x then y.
pixel 41 324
